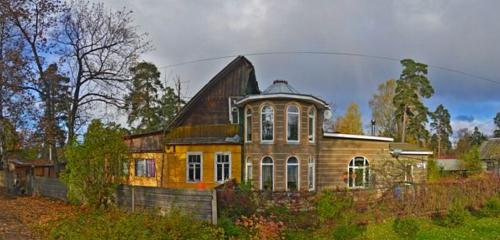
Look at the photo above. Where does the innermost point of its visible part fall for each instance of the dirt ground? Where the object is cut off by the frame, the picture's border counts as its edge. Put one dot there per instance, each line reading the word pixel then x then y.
pixel 20 216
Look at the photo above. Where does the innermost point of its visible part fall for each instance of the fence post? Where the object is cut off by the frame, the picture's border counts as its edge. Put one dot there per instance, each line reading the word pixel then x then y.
pixel 133 197
pixel 214 207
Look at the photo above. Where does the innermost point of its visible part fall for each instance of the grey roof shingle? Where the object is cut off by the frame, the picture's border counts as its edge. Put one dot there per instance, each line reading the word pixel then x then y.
pixel 280 86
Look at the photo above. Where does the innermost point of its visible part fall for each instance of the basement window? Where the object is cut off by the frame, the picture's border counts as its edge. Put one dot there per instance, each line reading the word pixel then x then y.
pixel 145 168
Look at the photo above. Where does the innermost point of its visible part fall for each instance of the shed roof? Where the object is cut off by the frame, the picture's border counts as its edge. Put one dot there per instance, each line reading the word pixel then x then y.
pixel 490 149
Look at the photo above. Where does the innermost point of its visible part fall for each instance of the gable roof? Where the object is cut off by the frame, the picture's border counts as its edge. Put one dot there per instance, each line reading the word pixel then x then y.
pixel 490 149
pixel 196 98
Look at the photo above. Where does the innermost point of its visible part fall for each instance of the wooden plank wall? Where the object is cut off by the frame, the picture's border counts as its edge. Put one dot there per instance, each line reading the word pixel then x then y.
pixel 49 187
pixel 196 203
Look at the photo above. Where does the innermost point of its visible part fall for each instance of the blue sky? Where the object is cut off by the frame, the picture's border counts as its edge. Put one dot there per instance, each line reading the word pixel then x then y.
pixel 458 34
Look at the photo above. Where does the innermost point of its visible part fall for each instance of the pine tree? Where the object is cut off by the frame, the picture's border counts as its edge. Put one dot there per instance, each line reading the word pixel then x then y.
pixel 411 113
pixel 477 137
pixel 150 104
pixel 496 120
pixel 351 121
pixel 55 95
pixel 442 130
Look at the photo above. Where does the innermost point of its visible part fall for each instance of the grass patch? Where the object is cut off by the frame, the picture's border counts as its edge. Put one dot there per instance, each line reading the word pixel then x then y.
pixel 117 224
pixel 473 228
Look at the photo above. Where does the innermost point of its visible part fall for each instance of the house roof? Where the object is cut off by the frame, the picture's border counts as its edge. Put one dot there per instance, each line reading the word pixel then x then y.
pixel 409 149
pixel 280 86
pixel 281 89
pixel 490 149
pixel 196 98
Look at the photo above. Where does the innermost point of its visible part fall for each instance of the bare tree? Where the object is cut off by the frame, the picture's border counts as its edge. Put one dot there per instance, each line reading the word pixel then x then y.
pixel 34 20
pixel 99 47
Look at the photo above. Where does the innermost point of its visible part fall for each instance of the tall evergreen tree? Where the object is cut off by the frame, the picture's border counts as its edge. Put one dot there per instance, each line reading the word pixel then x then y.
pixel 442 130
pixel 56 96
pixel 351 121
pixel 477 137
pixel 411 112
pixel 496 120
pixel 150 104
pixel 383 109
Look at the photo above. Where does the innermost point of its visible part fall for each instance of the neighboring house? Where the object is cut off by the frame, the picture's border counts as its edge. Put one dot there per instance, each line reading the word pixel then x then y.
pixel 201 147
pixel 450 164
pixel 490 155
pixel 229 130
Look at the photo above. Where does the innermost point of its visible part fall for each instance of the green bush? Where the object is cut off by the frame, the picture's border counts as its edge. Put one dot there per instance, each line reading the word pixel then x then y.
pixel 456 216
pixel 406 228
pixel 492 207
pixel 230 228
pixel 116 224
pixel 332 206
pixel 348 231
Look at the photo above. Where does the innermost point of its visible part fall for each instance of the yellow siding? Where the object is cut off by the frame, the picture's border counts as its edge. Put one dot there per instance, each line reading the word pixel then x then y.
pixel 176 171
pixel 171 166
pixel 145 181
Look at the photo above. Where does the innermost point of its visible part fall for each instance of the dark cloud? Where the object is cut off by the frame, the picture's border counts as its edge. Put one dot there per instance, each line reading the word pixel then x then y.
pixel 459 34
pixel 464 118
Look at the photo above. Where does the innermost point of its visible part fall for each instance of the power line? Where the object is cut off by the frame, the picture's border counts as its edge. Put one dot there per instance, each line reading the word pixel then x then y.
pixel 384 58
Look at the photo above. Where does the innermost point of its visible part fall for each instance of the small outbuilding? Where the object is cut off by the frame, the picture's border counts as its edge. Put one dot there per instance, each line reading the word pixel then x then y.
pixel 490 155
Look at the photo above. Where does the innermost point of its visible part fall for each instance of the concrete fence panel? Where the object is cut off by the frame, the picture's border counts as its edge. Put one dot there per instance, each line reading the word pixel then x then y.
pixel 196 203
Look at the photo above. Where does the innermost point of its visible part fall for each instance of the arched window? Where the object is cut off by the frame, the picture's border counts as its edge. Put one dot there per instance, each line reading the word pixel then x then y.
pixel 312 124
pixel 359 173
pixel 292 122
pixel 267 124
pixel 267 172
pixel 292 174
pixel 248 125
pixel 248 170
pixel 311 174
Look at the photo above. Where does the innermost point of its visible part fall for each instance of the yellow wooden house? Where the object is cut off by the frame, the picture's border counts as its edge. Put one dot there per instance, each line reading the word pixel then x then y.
pixel 202 147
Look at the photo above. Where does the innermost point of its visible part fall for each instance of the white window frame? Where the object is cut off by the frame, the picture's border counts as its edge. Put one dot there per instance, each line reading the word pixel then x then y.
pixel 216 163
pixel 262 176
pixel 313 116
pixel 311 171
pixel 187 166
pixel 145 160
pixel 406 178
pixel 248 124
pixel 366 167
pixel 262 126
pixel 248 175
pixel 298 123
pixel 298 172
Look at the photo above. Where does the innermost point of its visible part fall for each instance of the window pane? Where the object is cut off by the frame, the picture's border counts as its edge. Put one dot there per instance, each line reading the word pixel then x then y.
pixel 219 172
pixel 249 172
pixel 351 178
pixel 311 125
pixel 267 123
pixel 249 128
pixel 267 177
pixel 226 171
pixel 293 126
pixel 292 177
pixel 267 160
pixel 197 172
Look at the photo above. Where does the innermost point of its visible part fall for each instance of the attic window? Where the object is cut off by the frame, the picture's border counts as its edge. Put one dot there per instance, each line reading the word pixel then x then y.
pixel 234 112
pixel 235 116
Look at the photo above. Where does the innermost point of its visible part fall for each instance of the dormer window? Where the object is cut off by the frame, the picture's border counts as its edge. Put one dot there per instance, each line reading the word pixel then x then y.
pixel 292 121
pixel 267 124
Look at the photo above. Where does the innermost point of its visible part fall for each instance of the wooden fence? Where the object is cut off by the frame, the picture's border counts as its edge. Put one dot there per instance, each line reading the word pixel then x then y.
pixel 2 179
pixel 201 204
